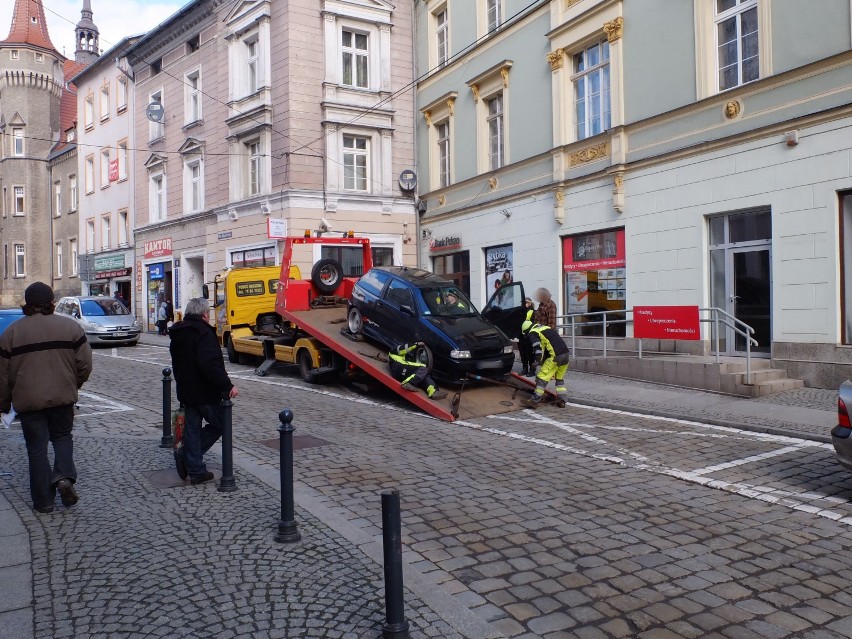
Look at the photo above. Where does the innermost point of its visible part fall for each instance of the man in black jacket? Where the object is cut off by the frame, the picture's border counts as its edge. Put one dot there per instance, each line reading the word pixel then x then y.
pixel 202 384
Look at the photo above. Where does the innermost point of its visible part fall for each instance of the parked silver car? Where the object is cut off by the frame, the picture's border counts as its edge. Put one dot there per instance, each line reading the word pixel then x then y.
pixel 105 319
pixel 840 434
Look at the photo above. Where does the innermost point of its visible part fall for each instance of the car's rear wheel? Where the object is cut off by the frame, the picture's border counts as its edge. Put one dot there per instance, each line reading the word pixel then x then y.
pixel 306 367
pixel 356 321
pixel 327 275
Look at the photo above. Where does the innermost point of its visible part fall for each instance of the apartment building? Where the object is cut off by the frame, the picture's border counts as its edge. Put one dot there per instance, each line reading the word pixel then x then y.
pixel 276 118
pixel 105 176
pixel 658 153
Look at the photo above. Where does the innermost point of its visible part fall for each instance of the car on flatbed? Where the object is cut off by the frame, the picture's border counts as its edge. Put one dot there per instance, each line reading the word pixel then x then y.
pixel 399 305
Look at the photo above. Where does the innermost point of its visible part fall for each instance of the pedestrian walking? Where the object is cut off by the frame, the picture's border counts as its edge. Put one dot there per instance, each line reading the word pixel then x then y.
pixel 44 360
pixel 525 345
pixel 162 318
pixel 551 351
pixel 170 313
pixel 545 314
pixel 412 373
pixel 202 385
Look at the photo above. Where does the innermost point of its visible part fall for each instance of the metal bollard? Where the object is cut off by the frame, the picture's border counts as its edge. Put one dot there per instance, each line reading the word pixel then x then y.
pixel 288 530
pixel 167 441
pixel 227 483
pixel 395 626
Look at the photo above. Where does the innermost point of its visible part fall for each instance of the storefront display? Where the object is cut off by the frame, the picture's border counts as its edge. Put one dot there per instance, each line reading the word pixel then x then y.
pixel 595 277
pixel 499 268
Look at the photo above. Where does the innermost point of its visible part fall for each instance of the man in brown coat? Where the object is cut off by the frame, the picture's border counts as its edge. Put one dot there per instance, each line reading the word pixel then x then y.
pixel 545 314
pixel 44 360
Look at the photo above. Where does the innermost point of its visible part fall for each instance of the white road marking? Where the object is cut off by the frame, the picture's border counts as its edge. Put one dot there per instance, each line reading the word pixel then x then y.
pixel 109 406
pixel 708 470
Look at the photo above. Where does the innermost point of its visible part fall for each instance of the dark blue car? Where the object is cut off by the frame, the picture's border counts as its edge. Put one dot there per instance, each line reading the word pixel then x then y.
pixel 8 316
pixel 397 305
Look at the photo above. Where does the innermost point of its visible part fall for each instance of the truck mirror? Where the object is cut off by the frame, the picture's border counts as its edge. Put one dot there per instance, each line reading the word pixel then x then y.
pixel 205 291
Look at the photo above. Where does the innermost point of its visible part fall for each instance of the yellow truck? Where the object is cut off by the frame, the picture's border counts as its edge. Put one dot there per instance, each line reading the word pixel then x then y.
pixel 249 327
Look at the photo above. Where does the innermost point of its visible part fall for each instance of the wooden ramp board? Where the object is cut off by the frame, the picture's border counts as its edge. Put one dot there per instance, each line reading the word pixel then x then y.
pixel 478 399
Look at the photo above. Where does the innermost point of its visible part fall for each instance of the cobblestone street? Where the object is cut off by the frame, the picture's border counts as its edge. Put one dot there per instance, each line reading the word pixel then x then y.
pixel 586 522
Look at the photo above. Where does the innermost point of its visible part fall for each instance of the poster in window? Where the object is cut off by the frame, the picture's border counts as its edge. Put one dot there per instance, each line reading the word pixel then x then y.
pixel 499 268
pixel 577 292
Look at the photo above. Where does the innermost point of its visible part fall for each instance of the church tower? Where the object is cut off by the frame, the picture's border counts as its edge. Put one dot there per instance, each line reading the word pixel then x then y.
pixel 88 48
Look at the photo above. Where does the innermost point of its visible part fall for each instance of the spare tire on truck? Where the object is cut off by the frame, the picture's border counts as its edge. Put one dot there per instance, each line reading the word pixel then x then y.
pixel 327 275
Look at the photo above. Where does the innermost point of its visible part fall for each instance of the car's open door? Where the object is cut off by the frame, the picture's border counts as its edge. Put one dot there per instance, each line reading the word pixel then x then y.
pixel 506 309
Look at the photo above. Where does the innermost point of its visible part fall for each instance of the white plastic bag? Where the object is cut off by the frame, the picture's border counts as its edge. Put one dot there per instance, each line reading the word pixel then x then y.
pixel 8 418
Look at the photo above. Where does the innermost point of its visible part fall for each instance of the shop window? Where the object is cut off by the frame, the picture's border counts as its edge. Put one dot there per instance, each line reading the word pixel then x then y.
pixel 595 279
pixel 499 268
pixel 454 267
pixel 254 257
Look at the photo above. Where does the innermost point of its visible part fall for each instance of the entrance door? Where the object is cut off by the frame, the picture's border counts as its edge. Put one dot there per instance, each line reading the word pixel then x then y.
pixel 749 298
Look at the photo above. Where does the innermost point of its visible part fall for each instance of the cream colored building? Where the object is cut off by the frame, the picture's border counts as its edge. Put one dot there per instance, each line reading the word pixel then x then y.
pixel 298 111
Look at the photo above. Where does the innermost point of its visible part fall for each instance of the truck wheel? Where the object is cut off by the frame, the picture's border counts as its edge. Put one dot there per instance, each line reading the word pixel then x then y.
pixel 356 322
pixel 233 355
pixel 306 367
pixel 327 275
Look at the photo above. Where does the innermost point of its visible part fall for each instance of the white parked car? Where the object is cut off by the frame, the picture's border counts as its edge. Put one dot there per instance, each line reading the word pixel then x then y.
pixel 105 319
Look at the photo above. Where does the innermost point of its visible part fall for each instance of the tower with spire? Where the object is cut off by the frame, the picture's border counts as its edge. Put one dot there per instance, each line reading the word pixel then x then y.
pixel 87 48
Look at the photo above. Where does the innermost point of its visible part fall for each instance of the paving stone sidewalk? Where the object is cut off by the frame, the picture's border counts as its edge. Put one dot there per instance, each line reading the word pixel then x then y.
pixel 136 560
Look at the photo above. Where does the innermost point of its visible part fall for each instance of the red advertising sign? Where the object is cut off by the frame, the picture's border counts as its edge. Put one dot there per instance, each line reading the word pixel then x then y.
pixel 158 248
pixel 593 251
pixel 666 322
pixel 113 170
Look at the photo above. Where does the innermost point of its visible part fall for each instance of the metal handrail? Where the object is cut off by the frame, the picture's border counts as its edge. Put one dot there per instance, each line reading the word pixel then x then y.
pixel 718 317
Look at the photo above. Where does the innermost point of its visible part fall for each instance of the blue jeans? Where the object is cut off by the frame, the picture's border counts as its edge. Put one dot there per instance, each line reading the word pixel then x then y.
pixel 40 427
pixel 198 440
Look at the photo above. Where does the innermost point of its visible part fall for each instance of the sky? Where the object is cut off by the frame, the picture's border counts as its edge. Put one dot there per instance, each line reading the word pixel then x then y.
pixel 114 19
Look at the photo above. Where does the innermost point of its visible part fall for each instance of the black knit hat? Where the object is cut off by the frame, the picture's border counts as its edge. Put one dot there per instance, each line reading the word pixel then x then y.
pixel 38 294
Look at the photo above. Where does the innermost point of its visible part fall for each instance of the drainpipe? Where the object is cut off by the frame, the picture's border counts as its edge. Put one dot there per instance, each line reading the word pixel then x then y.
pixel 417 230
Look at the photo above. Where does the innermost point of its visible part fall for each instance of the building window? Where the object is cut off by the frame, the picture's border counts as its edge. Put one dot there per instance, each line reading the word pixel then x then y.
pixel 737 42
pixel 193 44
pixel 156 130
pixel 454 267
pixel 352 259
pixel 254 257
pixel 157 196
pixel 442 37
pixel 121 94
pixel 39 57
pixel 495 14
pixel 20 260
pixel 192 87
pixel 123 228
pixel 355 59
pixel 253 65
pixel 104 102
pixel 444 153
pixel 105 232
pixel 17 142
pixel 72 245
pixel 89 111
pixel 496 133
pixel 59 259
pixel 194 187
pixel 14 54
pixel 591 82
pixel 105 155
pixel 90 174
pixel 122 160
pixel 355 162
pixel 20 201
pixel 90 236
pixel 72 204
pixel 255 167
pixel 57 199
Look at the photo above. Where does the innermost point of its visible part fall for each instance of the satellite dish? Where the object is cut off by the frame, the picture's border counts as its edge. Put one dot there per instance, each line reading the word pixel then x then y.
pixel 408 180
pixel 155 112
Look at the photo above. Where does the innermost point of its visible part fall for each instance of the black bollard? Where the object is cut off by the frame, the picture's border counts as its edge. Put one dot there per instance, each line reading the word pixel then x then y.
pixel 167 441
pixel 395 627
pixel 227 483
pixel 288 529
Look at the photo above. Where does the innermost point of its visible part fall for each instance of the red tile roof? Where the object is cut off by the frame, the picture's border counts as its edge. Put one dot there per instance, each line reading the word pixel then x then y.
pixel 29 25
pixel 68 102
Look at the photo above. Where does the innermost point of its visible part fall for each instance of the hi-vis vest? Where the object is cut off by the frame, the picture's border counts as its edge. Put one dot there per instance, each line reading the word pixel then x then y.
pixel 546 342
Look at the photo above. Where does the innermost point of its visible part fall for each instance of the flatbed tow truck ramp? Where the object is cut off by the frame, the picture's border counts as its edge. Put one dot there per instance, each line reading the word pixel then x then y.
pixel 323 317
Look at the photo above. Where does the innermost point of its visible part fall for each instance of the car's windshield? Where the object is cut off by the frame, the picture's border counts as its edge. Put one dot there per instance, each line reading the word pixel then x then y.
pixel 106 306
pixel 446 301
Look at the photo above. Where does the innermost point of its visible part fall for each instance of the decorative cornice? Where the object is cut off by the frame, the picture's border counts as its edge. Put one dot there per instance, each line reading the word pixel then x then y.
pixel 614 29
pixel 474 88
pixel 556 59
pixel 571 3
pixel 733 109
pixel 451 105
pixel 427 115
pixel 590 154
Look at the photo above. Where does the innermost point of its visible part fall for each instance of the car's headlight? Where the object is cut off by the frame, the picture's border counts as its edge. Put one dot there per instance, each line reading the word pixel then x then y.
pixel 508 349
pixel 136 324
pixel 460 354
pixel 97 327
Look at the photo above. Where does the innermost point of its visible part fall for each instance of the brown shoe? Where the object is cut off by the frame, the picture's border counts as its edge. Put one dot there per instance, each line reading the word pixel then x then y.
pixel 208 476
pixel 65 487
